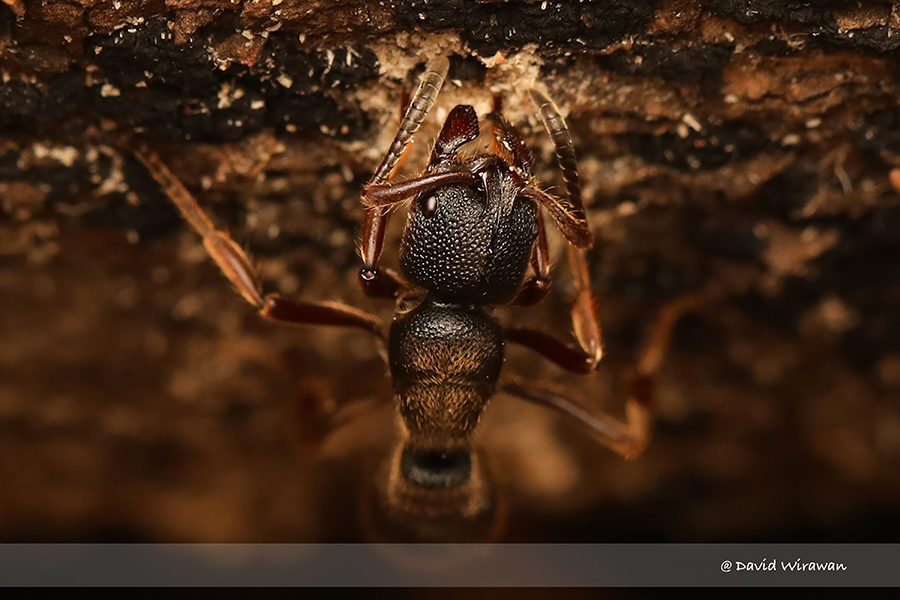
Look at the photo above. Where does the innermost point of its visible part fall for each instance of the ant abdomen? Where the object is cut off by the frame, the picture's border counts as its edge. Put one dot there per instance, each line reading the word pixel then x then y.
pixel 436 468
pixel 433 496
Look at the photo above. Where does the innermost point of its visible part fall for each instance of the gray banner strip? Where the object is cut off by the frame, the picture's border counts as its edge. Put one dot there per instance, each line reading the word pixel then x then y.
pixel 514 565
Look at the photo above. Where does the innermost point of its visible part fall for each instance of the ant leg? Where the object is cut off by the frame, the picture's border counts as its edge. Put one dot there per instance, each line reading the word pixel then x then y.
pixel 565 356
pixel 572 221
pixel 388 194
pixel 460 128
pixel 535 289
pixel 565 148
pixel 628 439
pixel 631 437
pixel 237 267
pixel 568 214
pixel 585 322
pixel 422 101
pixel 375 282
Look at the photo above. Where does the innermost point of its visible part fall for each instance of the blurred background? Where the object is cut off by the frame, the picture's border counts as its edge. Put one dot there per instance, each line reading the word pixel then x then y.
pixel 740 145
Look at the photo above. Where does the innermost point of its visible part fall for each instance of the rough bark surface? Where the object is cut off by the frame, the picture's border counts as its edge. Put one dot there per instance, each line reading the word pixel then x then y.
pixel 747 145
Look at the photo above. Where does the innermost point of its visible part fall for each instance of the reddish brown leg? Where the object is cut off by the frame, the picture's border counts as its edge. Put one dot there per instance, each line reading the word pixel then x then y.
pixel 631 437
pixel 585 318
pixel 570 217
pixel 536 288
pixel 585 323
pixel 387 194
pixel 628 439
pixel 565 148
pixel 563 355
pixel 570 221
pixel 374 281
pixel 237 267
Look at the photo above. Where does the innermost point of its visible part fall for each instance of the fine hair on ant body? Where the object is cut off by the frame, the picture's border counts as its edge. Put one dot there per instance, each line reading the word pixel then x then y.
pixel 475 227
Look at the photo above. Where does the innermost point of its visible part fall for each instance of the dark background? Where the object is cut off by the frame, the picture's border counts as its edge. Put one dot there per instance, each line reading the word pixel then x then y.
pixel 741 145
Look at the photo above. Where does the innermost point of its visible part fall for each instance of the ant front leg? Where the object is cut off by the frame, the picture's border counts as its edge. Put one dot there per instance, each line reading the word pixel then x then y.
pixel 570 216
pixel 631 437
pixel 374 281
pixel 238 268
pixel 568 213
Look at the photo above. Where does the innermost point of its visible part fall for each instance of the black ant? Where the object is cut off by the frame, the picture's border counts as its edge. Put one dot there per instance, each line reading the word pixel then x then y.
pixel 475 225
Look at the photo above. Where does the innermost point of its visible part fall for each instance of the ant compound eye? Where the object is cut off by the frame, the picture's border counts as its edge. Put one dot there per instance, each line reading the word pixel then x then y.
pixel 428 205
pixel 436 468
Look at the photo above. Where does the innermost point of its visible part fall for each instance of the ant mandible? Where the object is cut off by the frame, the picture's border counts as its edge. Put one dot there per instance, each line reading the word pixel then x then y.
pixel 475 225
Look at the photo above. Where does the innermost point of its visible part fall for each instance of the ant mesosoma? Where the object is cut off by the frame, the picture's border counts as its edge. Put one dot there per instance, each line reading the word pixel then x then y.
pixel 475 225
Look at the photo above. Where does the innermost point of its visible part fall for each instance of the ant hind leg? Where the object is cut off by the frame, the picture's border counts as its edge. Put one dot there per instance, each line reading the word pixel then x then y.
pixel 631 437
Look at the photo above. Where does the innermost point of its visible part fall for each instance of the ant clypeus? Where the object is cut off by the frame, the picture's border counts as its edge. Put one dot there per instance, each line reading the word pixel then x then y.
pixel 475 225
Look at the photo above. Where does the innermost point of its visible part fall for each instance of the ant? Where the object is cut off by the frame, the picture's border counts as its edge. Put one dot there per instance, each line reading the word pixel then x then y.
pixel 475 226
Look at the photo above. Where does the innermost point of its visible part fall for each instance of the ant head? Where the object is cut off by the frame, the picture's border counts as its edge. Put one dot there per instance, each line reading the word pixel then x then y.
pixel 428 494
pixel 471 243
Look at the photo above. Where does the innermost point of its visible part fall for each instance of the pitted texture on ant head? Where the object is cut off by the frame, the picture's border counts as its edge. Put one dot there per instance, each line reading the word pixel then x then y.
pixel 471 245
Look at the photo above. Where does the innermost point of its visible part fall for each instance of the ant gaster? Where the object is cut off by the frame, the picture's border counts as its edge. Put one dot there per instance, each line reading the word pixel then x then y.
pixel 475 225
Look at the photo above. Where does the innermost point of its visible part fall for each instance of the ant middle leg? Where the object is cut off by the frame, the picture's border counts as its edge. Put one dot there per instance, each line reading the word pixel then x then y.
pixel 236 265
pixel 538 286
pixel 584 358
pixel 631 437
